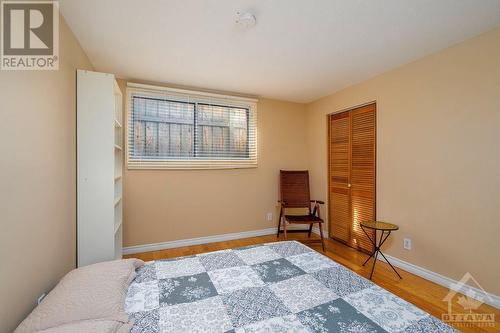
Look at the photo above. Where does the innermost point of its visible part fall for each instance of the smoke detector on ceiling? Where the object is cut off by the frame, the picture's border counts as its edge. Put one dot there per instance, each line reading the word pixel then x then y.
pixel 245 19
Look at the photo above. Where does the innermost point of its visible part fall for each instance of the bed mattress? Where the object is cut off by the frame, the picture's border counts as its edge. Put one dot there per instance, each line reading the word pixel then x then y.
pixel 273 287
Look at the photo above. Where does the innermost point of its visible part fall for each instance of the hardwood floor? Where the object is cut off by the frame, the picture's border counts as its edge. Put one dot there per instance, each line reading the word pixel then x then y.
pixel 422 293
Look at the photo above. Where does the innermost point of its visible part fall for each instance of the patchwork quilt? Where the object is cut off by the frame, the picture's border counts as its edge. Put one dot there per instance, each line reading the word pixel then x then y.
pixel 274 287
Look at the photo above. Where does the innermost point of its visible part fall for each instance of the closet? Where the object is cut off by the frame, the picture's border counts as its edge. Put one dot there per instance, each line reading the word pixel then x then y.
pixel 351 174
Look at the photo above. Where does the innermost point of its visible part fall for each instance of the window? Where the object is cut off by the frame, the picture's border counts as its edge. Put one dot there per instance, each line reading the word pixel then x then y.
pixel 171 128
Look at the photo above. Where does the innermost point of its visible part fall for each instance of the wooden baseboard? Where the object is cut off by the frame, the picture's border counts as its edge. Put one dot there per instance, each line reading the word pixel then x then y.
pixel 197 241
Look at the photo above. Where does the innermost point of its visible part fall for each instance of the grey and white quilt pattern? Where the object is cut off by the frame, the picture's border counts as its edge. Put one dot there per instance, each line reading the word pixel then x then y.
pixel 274 287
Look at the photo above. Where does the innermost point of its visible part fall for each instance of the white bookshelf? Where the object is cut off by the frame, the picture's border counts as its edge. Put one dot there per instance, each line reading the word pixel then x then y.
pixel 99 168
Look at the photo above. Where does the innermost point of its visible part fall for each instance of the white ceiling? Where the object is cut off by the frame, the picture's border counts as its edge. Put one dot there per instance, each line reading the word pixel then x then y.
pixel 299 50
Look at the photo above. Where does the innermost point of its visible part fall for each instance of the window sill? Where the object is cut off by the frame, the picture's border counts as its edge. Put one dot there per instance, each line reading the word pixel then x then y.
pixel 201 165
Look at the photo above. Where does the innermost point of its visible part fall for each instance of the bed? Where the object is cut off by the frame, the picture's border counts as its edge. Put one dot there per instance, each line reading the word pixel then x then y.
pixel 273 287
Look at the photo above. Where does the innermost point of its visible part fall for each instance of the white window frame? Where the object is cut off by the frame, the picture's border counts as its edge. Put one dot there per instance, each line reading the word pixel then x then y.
pixel 136 89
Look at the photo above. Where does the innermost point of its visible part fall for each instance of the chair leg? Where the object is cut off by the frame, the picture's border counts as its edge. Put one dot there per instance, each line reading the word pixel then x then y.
pixel 284 228
pixel 310 230
pixel 321 234
pixel 279 226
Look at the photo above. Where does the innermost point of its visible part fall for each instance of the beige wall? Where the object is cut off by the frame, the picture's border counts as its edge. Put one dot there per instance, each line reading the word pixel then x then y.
pixel 438 156
pixel 166 205
pixel 38 191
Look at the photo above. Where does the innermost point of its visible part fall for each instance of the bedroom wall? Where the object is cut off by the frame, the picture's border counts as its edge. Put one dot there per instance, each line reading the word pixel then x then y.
pixel 38 191
pixel 166 205
pixel 438 156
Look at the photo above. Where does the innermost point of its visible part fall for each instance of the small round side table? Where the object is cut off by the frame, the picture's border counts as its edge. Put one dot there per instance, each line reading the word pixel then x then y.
pixel 386 229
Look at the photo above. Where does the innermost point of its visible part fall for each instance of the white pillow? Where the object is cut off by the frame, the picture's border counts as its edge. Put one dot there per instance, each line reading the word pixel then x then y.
pixel 96 291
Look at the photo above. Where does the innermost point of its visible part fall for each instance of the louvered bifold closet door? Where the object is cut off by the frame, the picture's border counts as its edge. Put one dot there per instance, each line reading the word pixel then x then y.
pixel 362 178
pixel 351 168
pixel 339 164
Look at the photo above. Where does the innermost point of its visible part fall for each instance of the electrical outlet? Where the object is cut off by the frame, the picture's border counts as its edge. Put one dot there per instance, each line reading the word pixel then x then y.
pixel 40 298
pixel 407 243
pixel 269 216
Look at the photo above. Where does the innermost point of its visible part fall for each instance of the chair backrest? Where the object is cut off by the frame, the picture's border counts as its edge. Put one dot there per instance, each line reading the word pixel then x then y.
pixel 294 189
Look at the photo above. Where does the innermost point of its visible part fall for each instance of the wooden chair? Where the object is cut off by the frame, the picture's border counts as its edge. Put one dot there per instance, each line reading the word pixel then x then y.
pixel 294 193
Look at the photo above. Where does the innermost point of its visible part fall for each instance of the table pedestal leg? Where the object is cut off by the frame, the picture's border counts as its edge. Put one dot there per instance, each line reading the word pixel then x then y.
pixel 390 264
pixel 371 255
pixel 376 250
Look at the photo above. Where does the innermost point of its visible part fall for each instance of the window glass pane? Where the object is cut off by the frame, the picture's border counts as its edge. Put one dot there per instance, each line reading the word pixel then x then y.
pixel 222 131
pixel 165 129
pixel 162 128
